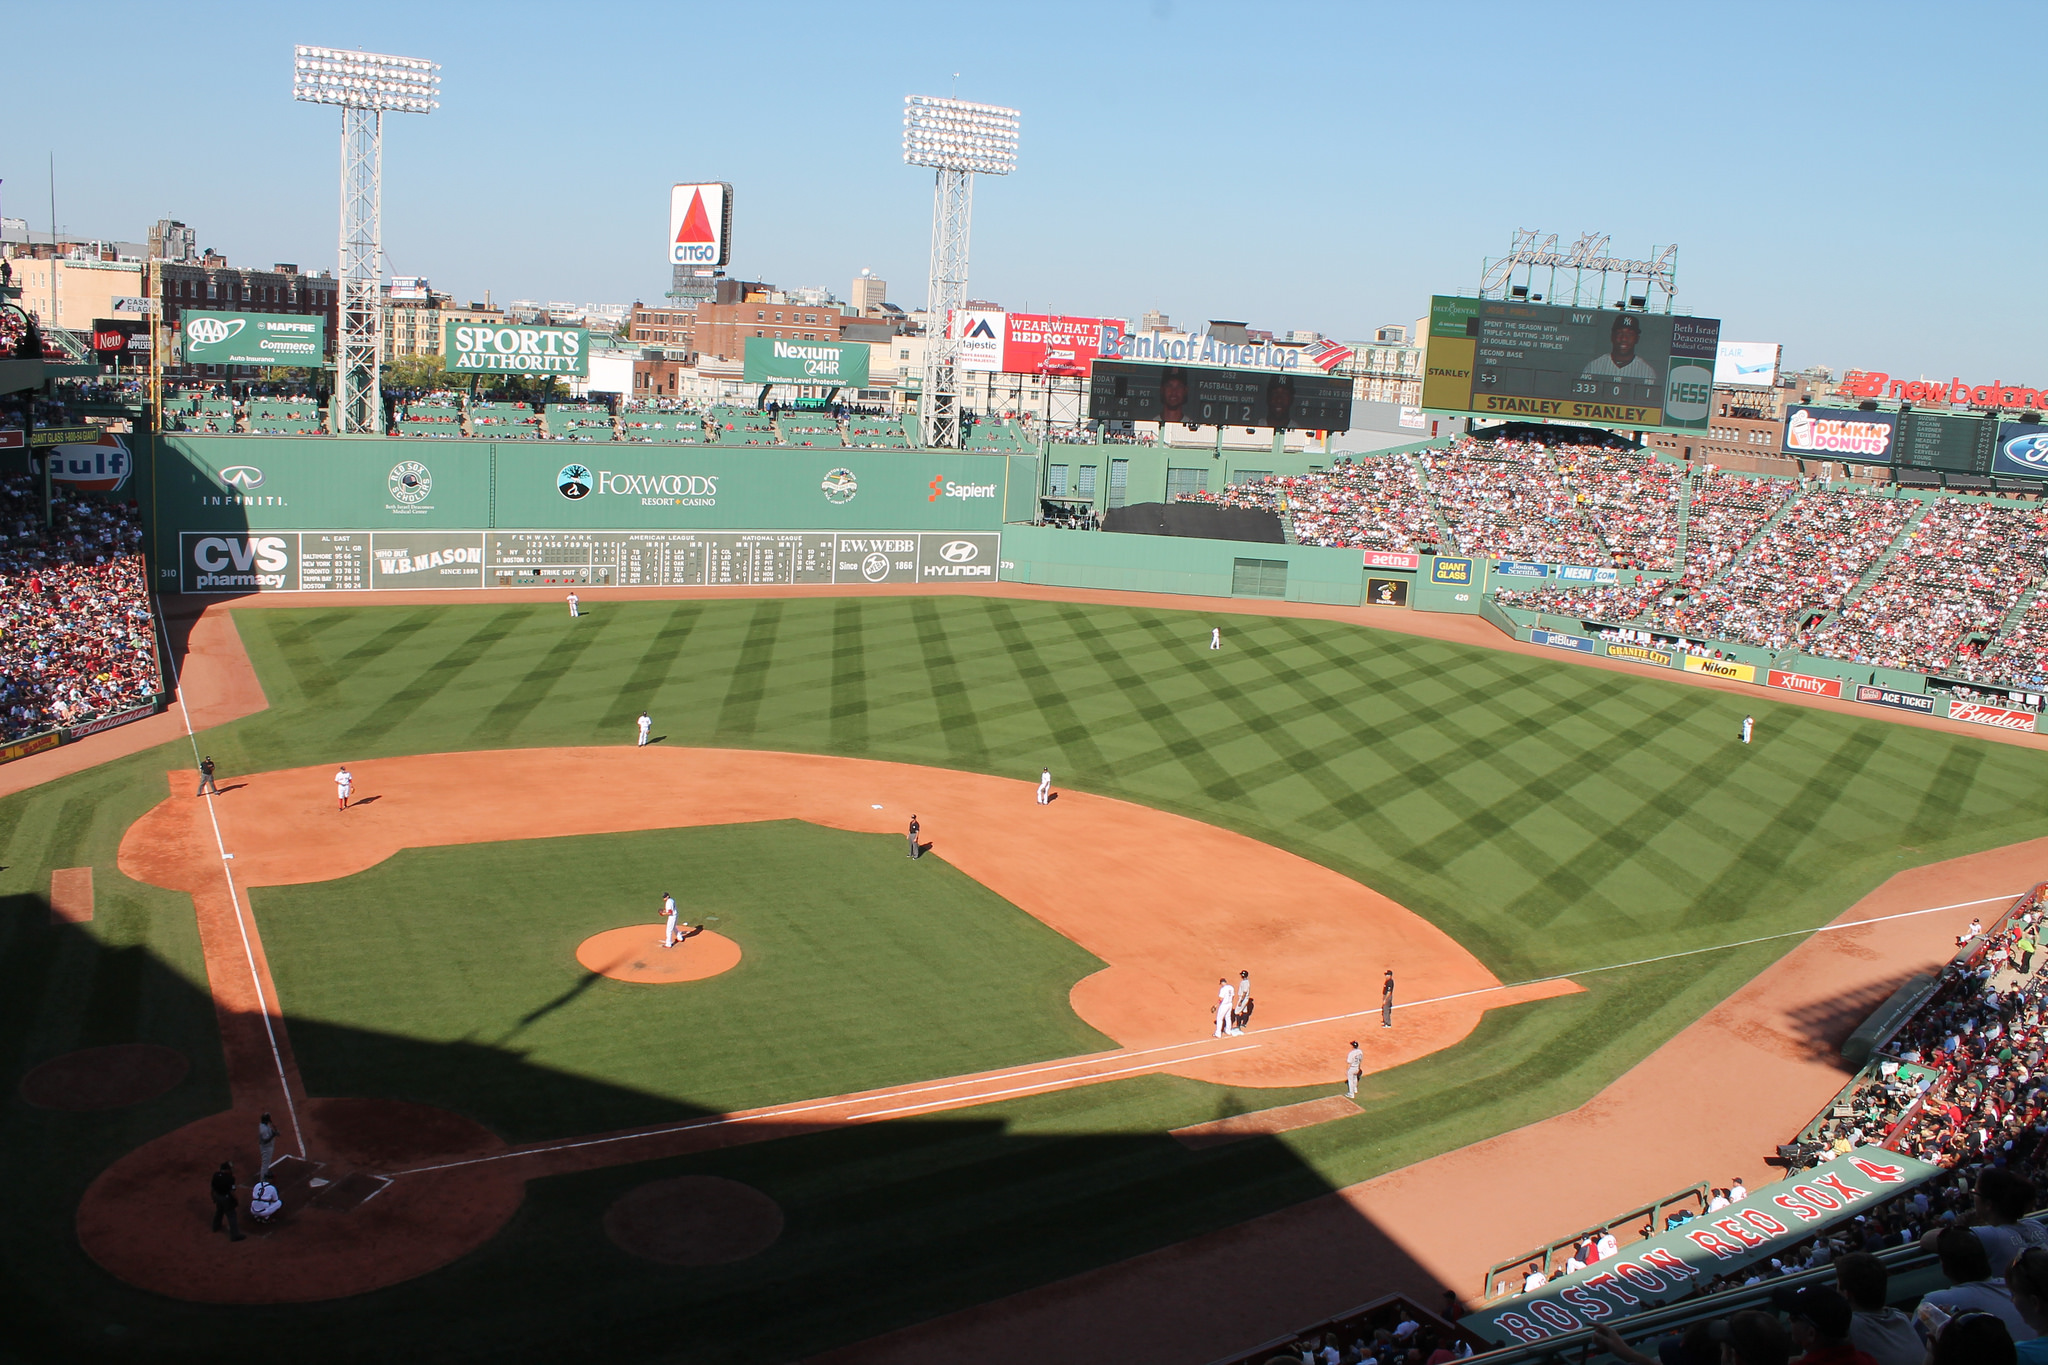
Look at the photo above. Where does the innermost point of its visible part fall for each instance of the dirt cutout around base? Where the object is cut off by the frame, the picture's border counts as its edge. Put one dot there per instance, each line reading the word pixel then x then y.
pixel 635 953
pixel 694 1220
pixel 105 1077
pixel 1265 1122
pixel 148 1218
pixel 71 895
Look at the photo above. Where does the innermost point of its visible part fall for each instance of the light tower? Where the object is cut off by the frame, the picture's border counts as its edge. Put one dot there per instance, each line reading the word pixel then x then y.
pixel 958 140
pixel 365 85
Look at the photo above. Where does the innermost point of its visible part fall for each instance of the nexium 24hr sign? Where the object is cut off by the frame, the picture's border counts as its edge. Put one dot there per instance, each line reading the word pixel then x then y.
pixel 479 348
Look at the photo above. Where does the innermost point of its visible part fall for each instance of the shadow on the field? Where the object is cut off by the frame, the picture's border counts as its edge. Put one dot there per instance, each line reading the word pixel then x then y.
pixel 886 1224
pixel 1819 1030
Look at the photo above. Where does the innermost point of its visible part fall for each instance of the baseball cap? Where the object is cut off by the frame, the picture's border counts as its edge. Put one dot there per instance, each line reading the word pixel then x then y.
pixel 1821 1305
pixel 1622 320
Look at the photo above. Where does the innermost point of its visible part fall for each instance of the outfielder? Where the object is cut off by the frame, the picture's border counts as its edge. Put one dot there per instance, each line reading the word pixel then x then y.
pixel 646 724
pixel 1215 637
pixel 1748 725
pixel 1045 787
pixel 668 915
pixel 1225 998
pixel 344 783
pixel 574 610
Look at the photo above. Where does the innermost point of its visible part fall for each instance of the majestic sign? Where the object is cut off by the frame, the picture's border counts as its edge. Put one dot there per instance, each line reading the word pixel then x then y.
pixel 1862 436
pixel 1801 682
pixel 700 224
pixel 1029 343
pixel 771 360
pixel 480 348
pixel 1996 394
pixel 1512 359
pixel 1670 1265
pixel 288 339
pixel 1901 701
pixel 1720 668
pixel 1990 715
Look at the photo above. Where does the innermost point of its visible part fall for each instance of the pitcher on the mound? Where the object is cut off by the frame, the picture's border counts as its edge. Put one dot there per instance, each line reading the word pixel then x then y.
pixel 343 785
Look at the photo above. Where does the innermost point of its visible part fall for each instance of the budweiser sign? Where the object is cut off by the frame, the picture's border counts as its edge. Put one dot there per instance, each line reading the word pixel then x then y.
pixel 1990 715
pixel 1801 682
pixel 1996 394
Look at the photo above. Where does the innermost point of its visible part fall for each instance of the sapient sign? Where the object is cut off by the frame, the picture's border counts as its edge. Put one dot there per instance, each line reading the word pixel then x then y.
pixel 478 348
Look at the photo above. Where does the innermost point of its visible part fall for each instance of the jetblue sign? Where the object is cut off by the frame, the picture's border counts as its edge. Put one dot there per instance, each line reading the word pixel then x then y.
pixel 1557 639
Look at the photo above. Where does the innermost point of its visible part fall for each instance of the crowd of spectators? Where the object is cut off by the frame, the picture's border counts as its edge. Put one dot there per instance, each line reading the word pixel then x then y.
pixel 1372 502
pixel 1526 501
pixel 77 639
pixel 1944 594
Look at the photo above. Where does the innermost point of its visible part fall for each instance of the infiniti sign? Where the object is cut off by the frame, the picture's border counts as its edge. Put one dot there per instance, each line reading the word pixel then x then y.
pixel 242 476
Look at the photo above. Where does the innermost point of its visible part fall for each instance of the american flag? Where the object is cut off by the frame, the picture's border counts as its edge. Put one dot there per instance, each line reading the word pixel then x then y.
pixel 1329 354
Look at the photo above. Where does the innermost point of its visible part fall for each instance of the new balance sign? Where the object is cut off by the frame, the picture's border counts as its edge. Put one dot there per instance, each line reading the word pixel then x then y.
pixel 1800 682
pixel 1991 715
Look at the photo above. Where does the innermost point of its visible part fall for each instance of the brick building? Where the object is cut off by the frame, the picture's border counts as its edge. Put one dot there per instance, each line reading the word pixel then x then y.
pixel 212 285
pixel 664 325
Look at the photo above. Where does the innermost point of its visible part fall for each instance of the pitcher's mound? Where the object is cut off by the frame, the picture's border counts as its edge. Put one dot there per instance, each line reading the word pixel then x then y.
pixel 634 953
pixel 694 1220
pixel 104 1077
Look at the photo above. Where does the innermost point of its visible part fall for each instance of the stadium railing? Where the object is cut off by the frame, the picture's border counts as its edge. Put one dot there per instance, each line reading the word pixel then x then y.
pixel 1363 1320
pixel 1546 1255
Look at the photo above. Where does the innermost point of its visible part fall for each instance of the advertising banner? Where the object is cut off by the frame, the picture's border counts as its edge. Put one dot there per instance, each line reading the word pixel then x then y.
pixel 1670 1265
pixel 1842 433
pixel 1386 592
pixel 1720 668
pixel 1800 682
pixel 480 348
pixel 2021 451
pixel 1582 573
pixel 1388 559
pixel 290 339
pixel 1506 358
pixel 1457 572
pixel 427 559
pixel 700 224
pixel 1124 391
pixel 1558 639
pixel 1641 654
pixel 1508 568
pixel 771 360
pixel 93 727
pixel 34 744
pixel 1746 364
pixel 1990 715
pixel 1902 701
pixel 1043 343
pixel 978 334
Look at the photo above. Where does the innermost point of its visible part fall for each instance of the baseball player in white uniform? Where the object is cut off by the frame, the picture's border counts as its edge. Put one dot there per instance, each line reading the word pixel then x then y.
pixel 1045 787
pixel 668 915
pixel 1215 637
pixel 574 610
pixel 1354 1062
pixel 1748 727
pixel 1225 998
pixel 646 724
pixel 343 785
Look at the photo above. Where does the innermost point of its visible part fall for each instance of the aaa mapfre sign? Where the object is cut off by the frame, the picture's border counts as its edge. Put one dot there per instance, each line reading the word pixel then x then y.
pixel 1991 715
pixel 700 224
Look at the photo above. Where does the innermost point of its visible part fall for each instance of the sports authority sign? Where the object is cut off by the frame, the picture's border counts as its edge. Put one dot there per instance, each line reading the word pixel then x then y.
pixel 700 224
pixel 1990 715
pixel 1673 1264
pixel 477 348
pixel 1801 682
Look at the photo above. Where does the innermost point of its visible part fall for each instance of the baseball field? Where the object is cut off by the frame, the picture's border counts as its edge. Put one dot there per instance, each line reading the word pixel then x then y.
pixel 914 1086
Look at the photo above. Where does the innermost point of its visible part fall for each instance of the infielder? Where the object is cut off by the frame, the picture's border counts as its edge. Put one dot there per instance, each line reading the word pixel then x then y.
pixel 668 915
pixel 1215 637
pixel 1354 1062
pixel 1387 1000
pixel 343 785
pixel 1225 998
pixel 1748 725
pixel 915 849
pixel 1241 1007
pixel 574 610
pixel 1045 787
pixel 646 724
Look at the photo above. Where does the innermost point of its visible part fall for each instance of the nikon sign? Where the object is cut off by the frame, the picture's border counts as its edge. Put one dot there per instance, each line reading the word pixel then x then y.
pixel 478 348
pixel 254 339
pixel 771 360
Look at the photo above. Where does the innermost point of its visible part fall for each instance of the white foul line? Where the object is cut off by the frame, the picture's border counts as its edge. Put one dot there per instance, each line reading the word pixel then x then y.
pixel 234 898
pixel 812 1106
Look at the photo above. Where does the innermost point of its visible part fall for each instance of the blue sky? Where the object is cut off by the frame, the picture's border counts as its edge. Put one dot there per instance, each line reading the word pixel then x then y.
pixel 1851 180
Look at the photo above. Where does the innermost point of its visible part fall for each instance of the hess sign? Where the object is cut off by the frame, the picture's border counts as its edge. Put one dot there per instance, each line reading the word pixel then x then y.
pixel 700 224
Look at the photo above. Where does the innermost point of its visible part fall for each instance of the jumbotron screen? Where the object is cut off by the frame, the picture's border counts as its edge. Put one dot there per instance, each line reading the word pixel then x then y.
pixel 1199 396
pixel 1502 358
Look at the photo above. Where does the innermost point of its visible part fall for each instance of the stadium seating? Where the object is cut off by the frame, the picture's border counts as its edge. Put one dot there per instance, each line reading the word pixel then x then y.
pixel 578 422
pixel 1519 500
pixel 876 433
pixel 285 417
pixel 1374 502
pixel 504 421
pixel 437 417
pixel 77 640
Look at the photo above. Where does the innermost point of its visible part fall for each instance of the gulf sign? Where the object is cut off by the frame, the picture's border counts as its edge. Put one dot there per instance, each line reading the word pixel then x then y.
pixel 1671 1264
pixel 1991 715
pixel 700 224
pixel 99 466
pixel 1806 683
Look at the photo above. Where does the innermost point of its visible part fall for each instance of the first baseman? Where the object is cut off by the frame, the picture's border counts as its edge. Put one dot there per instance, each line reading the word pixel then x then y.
pixel 1354 1062
pixel 1225 998
pixel 343 785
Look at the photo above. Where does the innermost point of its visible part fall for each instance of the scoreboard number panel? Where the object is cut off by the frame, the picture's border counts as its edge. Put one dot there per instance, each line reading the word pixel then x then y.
pixel 1205 396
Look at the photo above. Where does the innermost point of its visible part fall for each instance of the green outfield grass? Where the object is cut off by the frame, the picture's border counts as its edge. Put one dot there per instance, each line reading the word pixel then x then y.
pixel 1551 817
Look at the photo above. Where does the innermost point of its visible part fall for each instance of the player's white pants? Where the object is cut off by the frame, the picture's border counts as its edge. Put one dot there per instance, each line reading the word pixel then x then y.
pixel 1222 1019
pixel 1044 793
